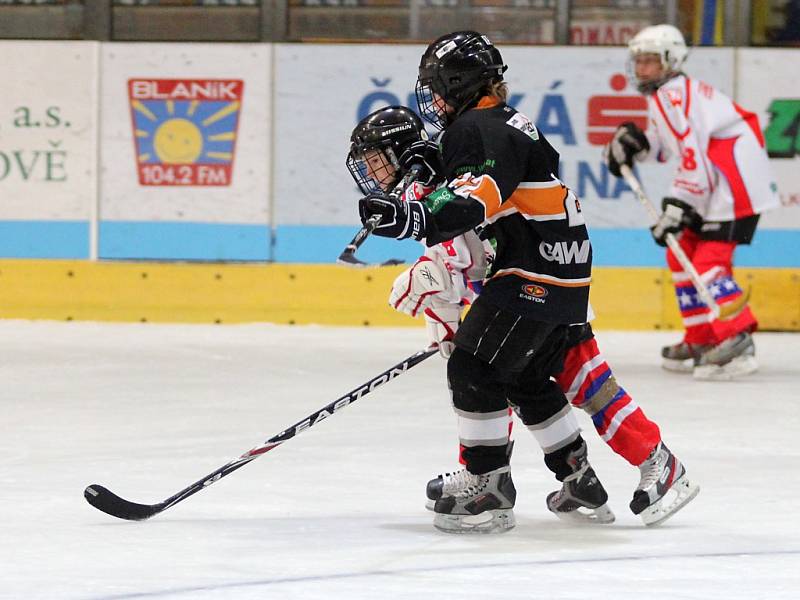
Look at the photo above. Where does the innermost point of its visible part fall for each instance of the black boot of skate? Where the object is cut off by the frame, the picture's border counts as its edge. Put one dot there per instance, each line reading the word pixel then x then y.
pixel 582 498
pixel 682 357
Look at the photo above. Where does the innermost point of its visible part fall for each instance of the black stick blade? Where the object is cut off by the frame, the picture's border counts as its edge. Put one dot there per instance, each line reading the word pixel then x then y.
pixel 349 259
pixel 107 501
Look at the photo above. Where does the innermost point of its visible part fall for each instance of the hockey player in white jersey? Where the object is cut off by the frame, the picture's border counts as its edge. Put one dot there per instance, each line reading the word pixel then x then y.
pixel 722 183
pixel 384 146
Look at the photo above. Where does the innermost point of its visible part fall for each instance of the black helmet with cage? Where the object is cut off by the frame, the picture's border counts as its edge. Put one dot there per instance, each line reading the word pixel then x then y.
pixel 389 132
pixel 459 68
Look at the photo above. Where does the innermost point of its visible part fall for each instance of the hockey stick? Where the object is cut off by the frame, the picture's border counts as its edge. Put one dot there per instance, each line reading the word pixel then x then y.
pixel 108 502
pixel 729 310
pixel 348 255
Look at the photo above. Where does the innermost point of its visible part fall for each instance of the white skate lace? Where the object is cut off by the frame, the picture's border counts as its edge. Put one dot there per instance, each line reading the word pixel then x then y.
pixel 478 484
pixel 576 476
pixel 452 482
pixel 651 469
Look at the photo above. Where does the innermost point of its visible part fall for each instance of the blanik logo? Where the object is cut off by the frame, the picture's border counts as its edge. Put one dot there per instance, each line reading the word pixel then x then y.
pixel 783 132
pixel 185 129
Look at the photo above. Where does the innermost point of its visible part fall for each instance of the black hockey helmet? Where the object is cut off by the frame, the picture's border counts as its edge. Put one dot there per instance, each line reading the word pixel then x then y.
pixel 457 67
pixel 390 130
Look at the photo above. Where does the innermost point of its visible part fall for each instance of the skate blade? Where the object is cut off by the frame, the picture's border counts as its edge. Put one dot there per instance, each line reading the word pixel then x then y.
pixel 489 521
pixel 682 492
pixel 602 515
pixel 738 367
pixel 677 366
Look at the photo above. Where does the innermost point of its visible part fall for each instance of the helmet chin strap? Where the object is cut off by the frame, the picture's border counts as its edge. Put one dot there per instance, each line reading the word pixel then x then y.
pixel 389 152
pixel 467 105
pixel 471 103
pixel 648 88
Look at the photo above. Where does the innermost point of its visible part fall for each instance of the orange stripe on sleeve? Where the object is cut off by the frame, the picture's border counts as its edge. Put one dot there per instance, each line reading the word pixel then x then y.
pixel 484 189
pixel 536 201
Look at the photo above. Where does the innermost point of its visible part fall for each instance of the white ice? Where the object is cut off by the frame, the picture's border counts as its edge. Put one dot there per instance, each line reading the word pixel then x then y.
pixel 337 512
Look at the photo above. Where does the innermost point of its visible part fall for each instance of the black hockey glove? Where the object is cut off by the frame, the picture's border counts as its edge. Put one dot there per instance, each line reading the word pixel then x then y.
pixel 399 219
pixel 629 143
pixel 677 216
pixel 425 154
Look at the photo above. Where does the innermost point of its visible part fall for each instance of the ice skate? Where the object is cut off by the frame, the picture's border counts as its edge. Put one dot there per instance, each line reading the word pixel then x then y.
pixel 485 506
pixel 732 357
pixel 664 488
pixel 681 357
pixel 446 484
pixel 582 498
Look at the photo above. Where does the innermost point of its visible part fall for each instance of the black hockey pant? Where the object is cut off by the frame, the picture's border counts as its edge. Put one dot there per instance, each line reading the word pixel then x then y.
pixel 502 360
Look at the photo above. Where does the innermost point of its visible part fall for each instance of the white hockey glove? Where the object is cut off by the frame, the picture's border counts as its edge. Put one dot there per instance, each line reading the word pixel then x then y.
pixel 415 289
pixel 442 320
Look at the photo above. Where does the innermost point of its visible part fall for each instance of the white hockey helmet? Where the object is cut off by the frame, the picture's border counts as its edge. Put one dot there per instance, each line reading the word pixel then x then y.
pixel 667 42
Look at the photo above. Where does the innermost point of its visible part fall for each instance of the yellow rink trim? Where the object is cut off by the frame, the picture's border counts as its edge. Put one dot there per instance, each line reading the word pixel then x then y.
pixel 623 298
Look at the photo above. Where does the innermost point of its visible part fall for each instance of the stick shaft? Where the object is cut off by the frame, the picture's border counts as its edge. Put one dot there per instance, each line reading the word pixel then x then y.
pixel 104 500
pixel 672 243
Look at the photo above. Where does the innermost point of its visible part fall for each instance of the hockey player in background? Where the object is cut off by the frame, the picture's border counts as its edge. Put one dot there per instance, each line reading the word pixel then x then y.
pixel 481 496
pixel 722 183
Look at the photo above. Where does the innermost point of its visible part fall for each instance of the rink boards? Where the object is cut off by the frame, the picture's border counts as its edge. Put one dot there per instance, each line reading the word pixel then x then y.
pixel 102 218
pixel 623 298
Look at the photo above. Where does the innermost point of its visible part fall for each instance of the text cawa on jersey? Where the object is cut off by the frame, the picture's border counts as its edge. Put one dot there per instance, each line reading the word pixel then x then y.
pixel 566 252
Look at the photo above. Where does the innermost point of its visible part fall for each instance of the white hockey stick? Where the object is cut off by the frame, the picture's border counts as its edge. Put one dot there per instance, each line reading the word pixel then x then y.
pixel 728 311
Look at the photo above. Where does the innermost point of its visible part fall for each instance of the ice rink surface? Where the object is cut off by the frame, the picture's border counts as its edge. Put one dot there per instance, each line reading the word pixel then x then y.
pixel 337 512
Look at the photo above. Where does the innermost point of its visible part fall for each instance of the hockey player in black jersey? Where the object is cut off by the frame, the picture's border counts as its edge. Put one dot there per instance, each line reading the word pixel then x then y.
pixel 385 147
pixel 502 174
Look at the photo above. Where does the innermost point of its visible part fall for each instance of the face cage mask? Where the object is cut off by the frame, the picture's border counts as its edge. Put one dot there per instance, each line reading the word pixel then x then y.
pixel 357 165
pixel 648 88
pixel 424 94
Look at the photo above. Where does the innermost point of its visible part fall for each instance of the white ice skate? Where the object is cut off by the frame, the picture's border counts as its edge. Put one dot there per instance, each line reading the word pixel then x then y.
pixel 731 358
pixel 664 488
pixel 483 507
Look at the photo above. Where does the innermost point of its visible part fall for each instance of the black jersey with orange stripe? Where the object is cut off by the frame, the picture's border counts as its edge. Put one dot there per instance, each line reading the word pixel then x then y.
pixel 502 172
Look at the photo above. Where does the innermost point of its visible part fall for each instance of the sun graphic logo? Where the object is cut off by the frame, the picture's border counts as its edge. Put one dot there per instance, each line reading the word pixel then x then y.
pixel 185 129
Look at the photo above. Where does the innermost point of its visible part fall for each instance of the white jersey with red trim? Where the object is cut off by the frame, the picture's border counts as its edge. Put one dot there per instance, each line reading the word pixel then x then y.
pixel 723 169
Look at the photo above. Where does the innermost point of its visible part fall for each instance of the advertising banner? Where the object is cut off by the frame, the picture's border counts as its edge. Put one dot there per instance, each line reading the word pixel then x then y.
pixel 218 152
pixel 576 97
pixel 48 148
pixel 767 85
pixel 185 151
